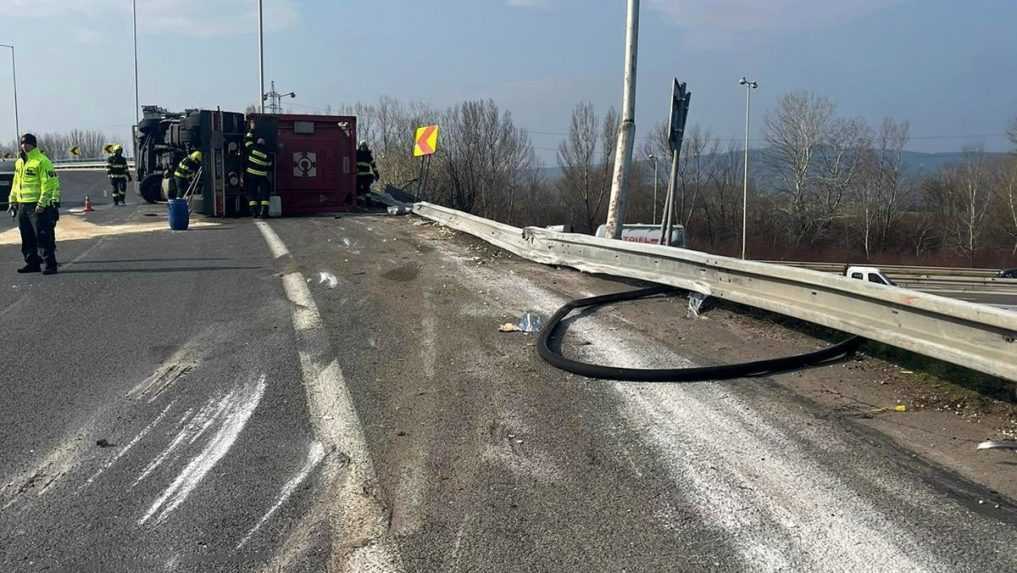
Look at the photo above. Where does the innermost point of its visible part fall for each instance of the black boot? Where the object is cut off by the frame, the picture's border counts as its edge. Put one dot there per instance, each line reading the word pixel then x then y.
pixel 50 270
pixel 30 268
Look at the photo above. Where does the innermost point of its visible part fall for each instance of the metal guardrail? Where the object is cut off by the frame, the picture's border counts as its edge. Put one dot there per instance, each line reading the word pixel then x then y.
pixel 975 336
pixel 89 165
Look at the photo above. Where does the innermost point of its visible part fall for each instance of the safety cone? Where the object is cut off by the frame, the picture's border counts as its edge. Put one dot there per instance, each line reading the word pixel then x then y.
pixel 88 205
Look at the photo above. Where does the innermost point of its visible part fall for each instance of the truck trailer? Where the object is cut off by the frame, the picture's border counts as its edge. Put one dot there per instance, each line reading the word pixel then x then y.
pixel 314 158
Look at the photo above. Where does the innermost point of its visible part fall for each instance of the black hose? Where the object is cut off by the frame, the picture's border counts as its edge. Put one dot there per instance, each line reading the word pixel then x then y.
pixel 722 372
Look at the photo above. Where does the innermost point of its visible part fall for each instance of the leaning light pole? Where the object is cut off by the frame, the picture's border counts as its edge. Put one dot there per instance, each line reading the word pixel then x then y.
pixel 261 58
pixel 627 130
pixel 14 78
pixel 749 86
pixel 653 159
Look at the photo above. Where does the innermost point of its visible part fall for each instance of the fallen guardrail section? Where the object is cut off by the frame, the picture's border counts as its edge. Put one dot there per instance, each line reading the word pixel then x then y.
pixel 975 336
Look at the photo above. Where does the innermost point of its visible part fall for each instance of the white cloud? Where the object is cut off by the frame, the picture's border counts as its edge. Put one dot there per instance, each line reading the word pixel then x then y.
pixel 528 3
pixel 764 15
pixel 201 18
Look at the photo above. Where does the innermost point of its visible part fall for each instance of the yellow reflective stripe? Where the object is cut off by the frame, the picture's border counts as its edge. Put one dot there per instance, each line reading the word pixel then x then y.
pixel 266 203
pixel 261 162
pixel 254 171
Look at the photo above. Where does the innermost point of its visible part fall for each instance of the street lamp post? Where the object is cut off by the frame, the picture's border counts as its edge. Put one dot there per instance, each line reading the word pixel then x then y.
pixel 653 159
pixel 261 59
pixel 14 77
pixel 137 96
pixel 749 86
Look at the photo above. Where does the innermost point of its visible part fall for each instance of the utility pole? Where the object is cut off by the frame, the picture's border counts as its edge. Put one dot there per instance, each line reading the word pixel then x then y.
pixel 137 96
pixel 261 59
pixel 14 78
pixel 749 86
pixel 275 99
pixel 627 130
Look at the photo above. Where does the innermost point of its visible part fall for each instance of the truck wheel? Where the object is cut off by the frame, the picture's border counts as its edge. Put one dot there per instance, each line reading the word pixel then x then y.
pixel 151 188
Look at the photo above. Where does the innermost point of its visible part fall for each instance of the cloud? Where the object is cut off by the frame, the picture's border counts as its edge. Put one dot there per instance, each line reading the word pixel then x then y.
pixel 188 18
pixel 764 15
pixel 528 3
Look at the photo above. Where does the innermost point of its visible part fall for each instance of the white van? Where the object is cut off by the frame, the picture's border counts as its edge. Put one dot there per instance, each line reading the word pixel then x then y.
pixel 869 274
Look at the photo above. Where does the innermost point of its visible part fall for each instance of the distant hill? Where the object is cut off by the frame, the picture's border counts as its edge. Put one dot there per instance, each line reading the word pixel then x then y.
pixel 916 164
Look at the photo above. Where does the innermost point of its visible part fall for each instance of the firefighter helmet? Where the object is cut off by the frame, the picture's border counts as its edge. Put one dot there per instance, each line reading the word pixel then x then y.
pixel 196 155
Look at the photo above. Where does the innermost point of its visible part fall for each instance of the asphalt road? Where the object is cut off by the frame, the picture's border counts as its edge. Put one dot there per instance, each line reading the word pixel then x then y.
pixel 333 394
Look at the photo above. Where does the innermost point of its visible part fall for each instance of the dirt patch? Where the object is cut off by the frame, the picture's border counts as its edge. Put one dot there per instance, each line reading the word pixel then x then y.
pixel 404 273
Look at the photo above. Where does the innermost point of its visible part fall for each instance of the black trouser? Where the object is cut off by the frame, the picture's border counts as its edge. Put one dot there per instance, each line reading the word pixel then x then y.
pixel 178 188
pixel 364 184
pixel 38 232
pixel 257 190
pixel 119 188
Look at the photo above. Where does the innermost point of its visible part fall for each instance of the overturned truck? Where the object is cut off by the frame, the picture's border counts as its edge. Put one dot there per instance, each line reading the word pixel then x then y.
pixel 314 158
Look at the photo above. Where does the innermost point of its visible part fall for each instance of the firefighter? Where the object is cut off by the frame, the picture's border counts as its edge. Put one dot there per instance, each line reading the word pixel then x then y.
pixel 184 174
pixel 249 138
pixel 35 199
pixel 367 171
pixel 256 179
pixel 119 175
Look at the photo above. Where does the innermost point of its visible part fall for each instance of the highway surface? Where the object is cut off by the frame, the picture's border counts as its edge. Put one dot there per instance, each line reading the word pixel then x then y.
pixel 332 393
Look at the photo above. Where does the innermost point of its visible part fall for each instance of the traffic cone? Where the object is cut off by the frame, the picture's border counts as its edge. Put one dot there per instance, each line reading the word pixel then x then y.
pixel 88 205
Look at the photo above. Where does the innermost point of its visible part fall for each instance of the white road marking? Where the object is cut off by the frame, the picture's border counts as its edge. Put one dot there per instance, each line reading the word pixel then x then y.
pixel 240 405
pixel 314 456
pixel 337 426
pixel 128 447
pixel 275 244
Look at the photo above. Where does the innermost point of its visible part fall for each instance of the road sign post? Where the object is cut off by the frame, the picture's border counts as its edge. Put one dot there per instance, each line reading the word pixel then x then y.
pixel 425 145
pixel 680 98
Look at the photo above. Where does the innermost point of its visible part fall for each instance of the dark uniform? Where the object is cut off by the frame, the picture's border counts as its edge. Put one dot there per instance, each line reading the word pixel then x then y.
pixel 257 179
pixel 119 175
pixel 367 171
pixel 184 173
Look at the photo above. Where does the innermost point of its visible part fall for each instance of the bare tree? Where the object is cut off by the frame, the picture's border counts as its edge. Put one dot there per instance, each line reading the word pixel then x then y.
pixel 965 202
pixel 1006 189
pixel 484 160
pixel 795 133
pixel 582 182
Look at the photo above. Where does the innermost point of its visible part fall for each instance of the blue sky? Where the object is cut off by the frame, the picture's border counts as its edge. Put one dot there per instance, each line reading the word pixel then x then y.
pixel 946 66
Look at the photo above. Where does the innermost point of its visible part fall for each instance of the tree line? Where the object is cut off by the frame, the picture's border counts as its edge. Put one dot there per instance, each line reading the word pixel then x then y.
pixel 823 186
pixel 58 146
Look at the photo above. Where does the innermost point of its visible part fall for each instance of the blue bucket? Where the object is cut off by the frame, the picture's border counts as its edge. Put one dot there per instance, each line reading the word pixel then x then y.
pixel 179 215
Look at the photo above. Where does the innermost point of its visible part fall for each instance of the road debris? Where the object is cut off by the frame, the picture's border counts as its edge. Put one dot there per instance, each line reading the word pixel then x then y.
pixel 327 278
pixel 509 327
pixel 997 445
pixel 103 443
pixel 531 321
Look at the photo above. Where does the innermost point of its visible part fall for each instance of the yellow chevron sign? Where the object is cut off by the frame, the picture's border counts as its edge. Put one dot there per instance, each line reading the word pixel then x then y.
pixel 425 141
pixel 75 151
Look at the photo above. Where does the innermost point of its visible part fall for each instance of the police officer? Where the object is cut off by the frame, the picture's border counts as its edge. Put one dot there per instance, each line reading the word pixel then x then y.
pixel 256 178
pixel 34 199
pixel 367 171
pixel 184 174
pixel 119 175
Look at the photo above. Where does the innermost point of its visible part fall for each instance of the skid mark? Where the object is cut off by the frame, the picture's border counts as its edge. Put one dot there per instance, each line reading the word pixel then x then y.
pixel 128 447
pixel 232 414
pixel 314 456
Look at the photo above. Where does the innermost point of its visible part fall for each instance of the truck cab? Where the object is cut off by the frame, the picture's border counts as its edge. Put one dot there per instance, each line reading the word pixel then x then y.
pixel 6 179
pixel 868 274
